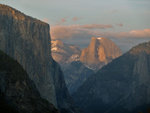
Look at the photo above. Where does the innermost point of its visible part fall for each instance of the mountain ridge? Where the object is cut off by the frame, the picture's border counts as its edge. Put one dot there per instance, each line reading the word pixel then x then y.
pixel 77 65
pixel 121 86
pixel 99 52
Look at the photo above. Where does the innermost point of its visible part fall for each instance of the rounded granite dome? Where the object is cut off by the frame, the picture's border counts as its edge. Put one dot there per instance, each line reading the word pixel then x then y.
pixel 99 52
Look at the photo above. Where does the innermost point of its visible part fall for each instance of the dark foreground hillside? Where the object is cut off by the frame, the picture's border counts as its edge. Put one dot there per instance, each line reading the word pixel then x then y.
pixel 18 93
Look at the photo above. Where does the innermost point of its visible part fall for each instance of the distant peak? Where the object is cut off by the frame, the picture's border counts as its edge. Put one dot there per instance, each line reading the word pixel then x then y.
pixel 99 52
pixel 93 38
pixel 97 38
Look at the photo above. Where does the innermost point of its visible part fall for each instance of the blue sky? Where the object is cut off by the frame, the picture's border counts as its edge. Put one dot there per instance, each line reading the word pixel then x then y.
pixel 135 14
pixel 125 16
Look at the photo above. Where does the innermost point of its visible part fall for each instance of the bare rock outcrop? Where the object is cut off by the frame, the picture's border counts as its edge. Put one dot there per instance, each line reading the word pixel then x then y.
pixel 99 53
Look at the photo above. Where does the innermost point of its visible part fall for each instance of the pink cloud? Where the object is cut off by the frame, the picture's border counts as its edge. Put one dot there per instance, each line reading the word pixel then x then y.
pixel 120 25
pixel 70 31
pixel 62 31
pixel 75 19
pixel 96 26
pixel 58 32
pixel 140 33
pixel 145 33
pixel 63 20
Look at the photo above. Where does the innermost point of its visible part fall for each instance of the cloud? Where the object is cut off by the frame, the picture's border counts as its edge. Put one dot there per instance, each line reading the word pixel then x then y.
pixel 140 33
pixel 66 19
pixel 120 25
pixel 75 19
pixel 79 31
pixel 96 26
pixel 62 31
pixel 62 21
pixel 145 33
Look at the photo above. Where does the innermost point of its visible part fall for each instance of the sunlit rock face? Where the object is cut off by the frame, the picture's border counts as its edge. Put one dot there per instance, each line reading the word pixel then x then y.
pixel 99 52
pixel 122 86
pixel 27 40
pixel 64 53
pixel 18 93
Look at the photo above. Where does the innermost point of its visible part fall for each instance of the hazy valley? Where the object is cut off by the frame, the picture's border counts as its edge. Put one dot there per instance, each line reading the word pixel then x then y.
pixel 78 64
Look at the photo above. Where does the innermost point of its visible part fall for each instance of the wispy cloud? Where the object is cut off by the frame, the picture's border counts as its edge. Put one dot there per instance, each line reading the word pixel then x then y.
pixel 62 31
pixel 62 21
pixel 120 25
pixel 145 33
pixel 96 26
pixel 75 19
pixel 140 33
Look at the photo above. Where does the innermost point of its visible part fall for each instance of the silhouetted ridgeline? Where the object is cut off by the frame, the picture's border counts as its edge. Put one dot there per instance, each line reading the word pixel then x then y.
pixel 27 40
pixel 18 93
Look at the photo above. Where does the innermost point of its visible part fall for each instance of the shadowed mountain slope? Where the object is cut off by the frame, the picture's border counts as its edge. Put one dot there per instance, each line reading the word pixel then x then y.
pixel 18 93
pixel 122 86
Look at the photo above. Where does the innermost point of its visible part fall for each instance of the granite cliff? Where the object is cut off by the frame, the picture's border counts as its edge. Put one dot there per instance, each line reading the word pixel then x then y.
pixel 122 86
pixel 27 41
pixel 100 52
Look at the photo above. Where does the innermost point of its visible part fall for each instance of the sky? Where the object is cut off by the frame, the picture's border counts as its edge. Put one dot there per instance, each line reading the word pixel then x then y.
pixel 126 22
